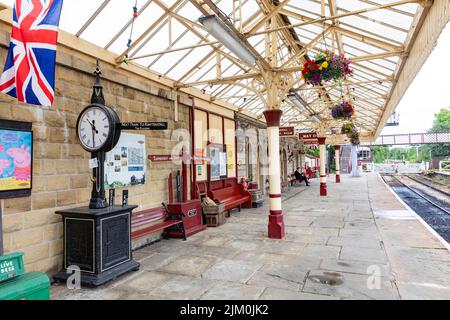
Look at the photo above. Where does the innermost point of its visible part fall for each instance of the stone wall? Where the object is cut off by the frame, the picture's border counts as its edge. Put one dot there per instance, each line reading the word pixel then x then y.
pixel 251 137
pixel 61 177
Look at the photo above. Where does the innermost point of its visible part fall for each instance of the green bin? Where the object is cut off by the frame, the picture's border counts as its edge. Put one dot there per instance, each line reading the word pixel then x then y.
pixel 11 265
pixel 30 286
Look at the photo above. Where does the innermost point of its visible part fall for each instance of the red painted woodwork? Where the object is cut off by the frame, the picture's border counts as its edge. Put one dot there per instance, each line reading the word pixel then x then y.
pixel 170 187
pixel 184 180
pixel 233 197
pixel 230 182
pixel 273 117
pixel 141 218
pixel 193 218
pixel 215 185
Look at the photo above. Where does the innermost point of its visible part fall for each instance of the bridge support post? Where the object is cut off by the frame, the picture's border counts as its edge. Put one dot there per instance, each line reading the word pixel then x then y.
pixel 323 174
pixel 337 150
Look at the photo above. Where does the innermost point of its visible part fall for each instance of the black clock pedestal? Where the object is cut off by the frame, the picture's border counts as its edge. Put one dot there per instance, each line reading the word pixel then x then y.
pixel 98 241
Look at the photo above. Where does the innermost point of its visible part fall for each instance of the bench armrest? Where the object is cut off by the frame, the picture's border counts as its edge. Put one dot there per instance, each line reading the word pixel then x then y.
pixel 175 216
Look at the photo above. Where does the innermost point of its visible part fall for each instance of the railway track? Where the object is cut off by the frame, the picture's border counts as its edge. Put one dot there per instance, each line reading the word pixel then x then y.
pixel 433 185
pixel 422 195
pixel 432 205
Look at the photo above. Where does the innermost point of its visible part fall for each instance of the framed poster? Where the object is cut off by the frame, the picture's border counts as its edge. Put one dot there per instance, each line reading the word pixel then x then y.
pixel 125 165
pixel 230 157
pixel 16 159
pixel 218 161
pixel 214 154
pixel 223 164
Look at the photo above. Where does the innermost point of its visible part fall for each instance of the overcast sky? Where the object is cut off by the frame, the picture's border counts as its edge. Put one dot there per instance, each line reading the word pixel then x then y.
pixel 429 92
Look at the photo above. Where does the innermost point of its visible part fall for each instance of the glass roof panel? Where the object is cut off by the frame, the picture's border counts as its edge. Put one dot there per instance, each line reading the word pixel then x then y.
pixel 367 36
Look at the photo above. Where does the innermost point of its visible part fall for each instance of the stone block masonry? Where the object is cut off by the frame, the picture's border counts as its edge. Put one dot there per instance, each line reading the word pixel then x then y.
pixel 61 176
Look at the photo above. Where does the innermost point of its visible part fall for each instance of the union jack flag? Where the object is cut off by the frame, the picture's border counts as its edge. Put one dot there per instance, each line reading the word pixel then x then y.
pixel 29 73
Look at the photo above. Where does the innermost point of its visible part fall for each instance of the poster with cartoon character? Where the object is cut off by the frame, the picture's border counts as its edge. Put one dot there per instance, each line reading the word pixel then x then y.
pixel 15 160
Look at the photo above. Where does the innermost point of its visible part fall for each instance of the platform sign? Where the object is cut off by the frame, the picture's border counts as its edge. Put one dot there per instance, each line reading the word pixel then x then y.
pixel 309 138
pixel 163 158
pixel 144 126
pixel 287 131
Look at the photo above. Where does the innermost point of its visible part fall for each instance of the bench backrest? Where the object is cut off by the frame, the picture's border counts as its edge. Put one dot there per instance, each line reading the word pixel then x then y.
pixel 225 193
pixel 140 218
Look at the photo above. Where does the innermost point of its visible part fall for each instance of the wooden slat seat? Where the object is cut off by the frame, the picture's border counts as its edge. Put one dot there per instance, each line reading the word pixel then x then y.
pixel 170 221
pixel 233 197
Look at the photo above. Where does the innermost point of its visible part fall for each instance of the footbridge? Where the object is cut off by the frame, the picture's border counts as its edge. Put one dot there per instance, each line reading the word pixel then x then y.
pixel 410 139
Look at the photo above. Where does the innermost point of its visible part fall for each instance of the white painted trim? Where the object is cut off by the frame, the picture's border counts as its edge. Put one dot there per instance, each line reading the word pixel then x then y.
pixel 426 225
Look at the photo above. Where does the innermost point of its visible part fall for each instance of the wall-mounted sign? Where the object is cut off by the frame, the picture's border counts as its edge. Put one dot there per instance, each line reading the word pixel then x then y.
pixel 163 158
pixel 143 126
pixel 125 164
pixel 16 159
pixel 308 138
pixel 287 131
pixel 192 213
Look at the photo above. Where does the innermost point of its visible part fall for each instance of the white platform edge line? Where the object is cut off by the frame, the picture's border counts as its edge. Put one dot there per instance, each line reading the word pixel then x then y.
pixel 432 231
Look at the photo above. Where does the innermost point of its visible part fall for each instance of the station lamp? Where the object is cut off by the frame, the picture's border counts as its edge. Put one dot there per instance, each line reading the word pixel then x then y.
pixel 219 30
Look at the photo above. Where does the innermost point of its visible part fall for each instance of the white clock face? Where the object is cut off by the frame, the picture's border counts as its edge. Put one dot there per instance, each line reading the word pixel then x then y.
pixel 93 128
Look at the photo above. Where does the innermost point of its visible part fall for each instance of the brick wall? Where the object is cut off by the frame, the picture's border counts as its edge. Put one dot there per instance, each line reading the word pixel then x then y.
pixel 61 177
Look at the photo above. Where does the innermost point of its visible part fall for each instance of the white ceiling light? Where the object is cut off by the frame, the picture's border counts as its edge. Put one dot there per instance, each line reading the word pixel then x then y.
pixel 297 100
pixel 315 117
pixel 219 30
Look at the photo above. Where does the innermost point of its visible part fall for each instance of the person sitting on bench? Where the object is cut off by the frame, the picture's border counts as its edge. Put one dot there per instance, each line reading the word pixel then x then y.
pixel 300 177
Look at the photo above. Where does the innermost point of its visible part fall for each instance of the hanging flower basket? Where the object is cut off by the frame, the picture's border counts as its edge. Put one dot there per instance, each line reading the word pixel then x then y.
pixel 348 127
pixel 326 67
pixel 352 132
pixel 354 137
pixel 343 110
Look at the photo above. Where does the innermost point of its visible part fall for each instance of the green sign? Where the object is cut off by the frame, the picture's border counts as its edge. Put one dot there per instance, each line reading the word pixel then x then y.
pixel 11 266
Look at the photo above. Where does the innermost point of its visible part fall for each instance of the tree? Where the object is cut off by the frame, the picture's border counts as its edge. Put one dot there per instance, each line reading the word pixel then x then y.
pixel 441 123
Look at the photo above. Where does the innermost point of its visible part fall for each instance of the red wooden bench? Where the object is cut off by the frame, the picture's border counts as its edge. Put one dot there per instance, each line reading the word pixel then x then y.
pixel 233 197
pixel 170 222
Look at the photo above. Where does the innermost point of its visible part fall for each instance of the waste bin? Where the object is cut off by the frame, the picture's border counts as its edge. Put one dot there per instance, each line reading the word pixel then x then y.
pixel 30 286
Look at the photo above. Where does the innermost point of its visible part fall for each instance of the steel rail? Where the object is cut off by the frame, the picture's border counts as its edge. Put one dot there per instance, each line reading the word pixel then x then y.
pixel 427 185
pixel 420 195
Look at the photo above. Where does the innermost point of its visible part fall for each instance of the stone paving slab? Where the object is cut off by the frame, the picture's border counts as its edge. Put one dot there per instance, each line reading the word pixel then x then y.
pixel 365 239
pixel 282 294
pixel 232 270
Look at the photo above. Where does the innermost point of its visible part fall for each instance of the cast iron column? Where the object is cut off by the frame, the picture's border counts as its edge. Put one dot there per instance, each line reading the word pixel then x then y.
pixel 323 174
pixel 337 150
pixel 276 222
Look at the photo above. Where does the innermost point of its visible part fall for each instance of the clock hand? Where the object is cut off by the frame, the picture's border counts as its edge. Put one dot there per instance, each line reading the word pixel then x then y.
pixel 93 136
pixel 92 125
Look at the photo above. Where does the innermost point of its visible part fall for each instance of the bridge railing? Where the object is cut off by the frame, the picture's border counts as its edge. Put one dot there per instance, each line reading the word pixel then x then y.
pixel 411 138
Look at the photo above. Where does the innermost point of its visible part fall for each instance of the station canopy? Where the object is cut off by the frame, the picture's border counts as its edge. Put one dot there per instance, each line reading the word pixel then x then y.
pixel 168 38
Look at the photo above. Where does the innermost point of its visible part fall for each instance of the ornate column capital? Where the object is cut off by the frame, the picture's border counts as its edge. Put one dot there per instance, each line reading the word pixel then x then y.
pixel 273 117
